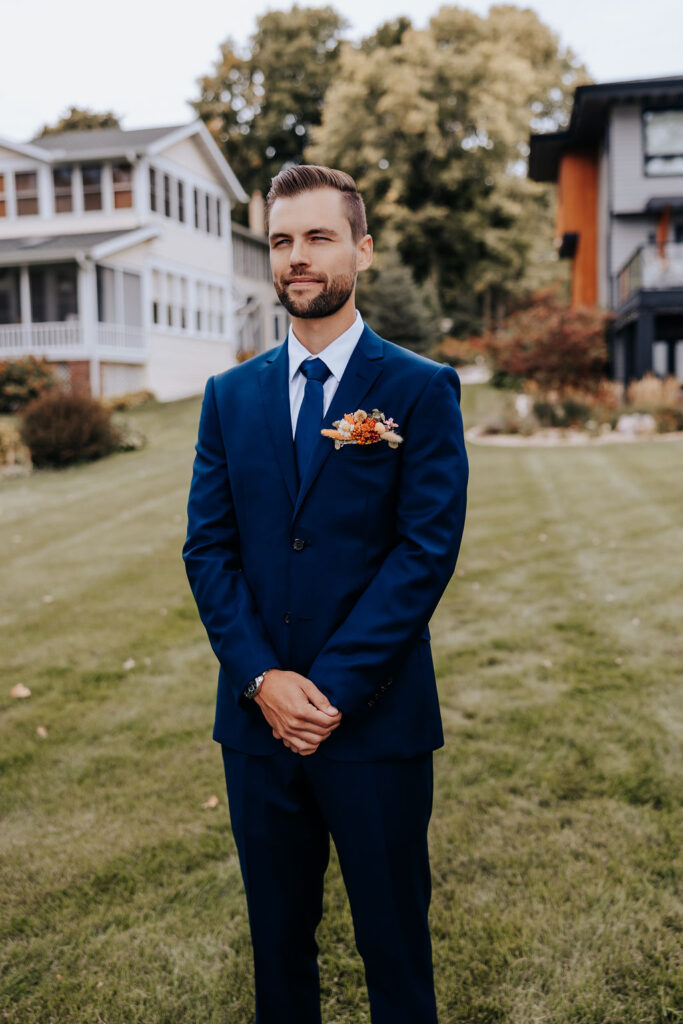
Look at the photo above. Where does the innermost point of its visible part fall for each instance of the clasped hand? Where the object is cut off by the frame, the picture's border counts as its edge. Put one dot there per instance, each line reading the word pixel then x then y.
pixel 296 710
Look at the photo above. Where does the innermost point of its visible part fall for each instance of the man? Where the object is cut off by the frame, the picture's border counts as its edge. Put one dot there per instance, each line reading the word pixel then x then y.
pixel 316 561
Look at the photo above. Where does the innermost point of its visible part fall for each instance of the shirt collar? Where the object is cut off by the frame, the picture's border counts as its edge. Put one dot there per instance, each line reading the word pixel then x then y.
pixel 335 355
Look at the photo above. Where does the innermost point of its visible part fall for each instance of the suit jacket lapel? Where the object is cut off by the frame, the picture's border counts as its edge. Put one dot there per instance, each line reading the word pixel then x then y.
pixel 361 371
pixel 274 381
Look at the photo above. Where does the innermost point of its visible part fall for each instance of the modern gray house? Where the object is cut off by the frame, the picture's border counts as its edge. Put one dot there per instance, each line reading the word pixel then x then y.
pixel 619 170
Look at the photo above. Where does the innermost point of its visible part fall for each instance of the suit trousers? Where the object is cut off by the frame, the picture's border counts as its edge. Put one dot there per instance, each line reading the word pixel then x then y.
pixel 283 809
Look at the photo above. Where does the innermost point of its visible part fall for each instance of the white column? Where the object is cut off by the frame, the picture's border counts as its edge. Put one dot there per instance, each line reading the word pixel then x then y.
pixel 87 312
pixel 77 190
pixel 25 298
pixel 107 186
pixel 46 199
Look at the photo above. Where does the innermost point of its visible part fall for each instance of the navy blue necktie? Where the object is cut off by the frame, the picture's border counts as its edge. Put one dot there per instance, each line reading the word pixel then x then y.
pixel 310 419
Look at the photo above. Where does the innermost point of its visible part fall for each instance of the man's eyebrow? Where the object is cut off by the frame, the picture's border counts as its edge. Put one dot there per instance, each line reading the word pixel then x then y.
pixel 277 235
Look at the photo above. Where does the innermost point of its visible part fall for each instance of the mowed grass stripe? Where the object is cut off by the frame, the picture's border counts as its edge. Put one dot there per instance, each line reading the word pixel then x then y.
pixel 556 834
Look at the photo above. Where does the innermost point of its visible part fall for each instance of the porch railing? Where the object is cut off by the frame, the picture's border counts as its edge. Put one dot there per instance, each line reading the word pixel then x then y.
pixel 65 340
pixel 651 267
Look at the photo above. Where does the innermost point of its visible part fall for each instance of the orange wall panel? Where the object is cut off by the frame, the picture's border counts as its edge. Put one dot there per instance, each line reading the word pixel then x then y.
pixel 577 211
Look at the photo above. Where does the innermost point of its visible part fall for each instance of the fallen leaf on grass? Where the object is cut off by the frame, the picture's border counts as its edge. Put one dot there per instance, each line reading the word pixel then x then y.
pixel 129 663
pixel 19 690
pixel 48 599
pixel 42 732
pixel 210 803
pixel 618 661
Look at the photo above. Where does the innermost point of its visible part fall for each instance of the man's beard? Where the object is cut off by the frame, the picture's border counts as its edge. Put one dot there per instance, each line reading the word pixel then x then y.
pixel 334 294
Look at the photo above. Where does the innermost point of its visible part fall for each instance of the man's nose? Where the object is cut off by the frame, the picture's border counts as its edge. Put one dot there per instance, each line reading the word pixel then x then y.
pixel 299 254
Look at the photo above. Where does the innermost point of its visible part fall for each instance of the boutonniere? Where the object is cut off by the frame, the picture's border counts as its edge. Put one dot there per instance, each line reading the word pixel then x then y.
pixel 360 428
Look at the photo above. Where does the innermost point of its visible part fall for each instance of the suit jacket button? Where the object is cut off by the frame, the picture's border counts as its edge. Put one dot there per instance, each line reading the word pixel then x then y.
pixel 298 544
pixel 287 618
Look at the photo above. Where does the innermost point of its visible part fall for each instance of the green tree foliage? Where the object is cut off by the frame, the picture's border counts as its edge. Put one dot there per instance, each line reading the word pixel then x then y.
pixel 260 105
pixel 80 119
pixel 396 307
pixel 434 127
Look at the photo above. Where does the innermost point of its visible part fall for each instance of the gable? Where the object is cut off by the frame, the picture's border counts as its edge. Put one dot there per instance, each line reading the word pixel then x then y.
pixel 188 154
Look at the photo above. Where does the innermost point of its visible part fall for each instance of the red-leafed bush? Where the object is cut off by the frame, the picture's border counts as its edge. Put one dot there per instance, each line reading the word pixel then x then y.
pixel 560 348
pixel 60 429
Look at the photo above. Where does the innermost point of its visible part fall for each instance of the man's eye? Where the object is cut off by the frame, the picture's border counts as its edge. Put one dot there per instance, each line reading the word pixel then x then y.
pixel 280 242
pixel 320 238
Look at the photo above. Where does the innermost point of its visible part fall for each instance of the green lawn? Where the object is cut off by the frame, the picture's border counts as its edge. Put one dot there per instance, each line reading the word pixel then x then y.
pixel 556 834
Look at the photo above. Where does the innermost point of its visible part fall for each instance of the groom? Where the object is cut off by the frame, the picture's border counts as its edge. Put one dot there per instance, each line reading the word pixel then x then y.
pixel 316 560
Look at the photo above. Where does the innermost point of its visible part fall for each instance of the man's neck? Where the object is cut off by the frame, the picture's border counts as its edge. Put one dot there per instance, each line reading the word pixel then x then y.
pixel 316 334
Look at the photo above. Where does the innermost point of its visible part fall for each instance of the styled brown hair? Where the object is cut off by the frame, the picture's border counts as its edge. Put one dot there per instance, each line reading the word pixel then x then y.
pixel 298 178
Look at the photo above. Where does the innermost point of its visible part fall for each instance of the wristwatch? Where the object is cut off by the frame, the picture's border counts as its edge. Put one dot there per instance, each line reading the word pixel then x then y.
pixel 254 685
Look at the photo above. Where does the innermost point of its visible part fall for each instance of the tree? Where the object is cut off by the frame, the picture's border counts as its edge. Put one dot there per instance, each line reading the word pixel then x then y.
pixel 396 307
pixel 434 128
pixel 80 119
pixel 260 105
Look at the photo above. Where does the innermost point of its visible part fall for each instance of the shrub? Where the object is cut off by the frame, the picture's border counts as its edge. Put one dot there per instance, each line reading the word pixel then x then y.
pixel 61 429
pixel 653 392
pixel 558 347
pixel 22 380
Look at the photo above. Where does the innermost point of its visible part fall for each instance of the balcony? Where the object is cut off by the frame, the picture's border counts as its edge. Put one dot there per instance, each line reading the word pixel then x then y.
pixel 65 340
pixel 651 268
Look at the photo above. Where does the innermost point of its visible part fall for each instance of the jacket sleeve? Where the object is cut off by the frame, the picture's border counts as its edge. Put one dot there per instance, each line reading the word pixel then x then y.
pixel 212 562
pixel 395 607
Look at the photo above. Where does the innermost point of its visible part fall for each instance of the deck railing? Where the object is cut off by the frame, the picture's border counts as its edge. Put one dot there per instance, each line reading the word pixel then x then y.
pixel 651 267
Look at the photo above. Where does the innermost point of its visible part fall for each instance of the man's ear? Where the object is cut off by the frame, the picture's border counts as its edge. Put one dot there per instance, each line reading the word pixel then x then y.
pixel 365 250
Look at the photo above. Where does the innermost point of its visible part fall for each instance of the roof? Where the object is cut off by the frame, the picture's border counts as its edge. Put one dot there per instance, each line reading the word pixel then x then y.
pixel 54 248
pixel 106 143
pixel 115 141
pixel 591 107
pixel 249 235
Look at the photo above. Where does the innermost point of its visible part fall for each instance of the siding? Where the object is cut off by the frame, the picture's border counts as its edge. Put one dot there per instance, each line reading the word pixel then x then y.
pixel 632 188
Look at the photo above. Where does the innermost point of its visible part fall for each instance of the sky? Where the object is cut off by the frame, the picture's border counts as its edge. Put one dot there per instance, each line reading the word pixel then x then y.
pixel 142 58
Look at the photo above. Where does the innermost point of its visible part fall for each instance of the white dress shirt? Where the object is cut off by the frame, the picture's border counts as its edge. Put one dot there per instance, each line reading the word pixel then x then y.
pixel 335 356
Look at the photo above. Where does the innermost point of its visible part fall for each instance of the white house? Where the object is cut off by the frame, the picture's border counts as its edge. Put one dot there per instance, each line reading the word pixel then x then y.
pixel 116 257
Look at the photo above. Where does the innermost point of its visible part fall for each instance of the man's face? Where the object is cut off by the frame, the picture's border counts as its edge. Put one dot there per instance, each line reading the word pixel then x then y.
pixel 313 257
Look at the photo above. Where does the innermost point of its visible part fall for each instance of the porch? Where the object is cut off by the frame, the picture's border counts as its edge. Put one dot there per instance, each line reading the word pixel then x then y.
pixel 62 341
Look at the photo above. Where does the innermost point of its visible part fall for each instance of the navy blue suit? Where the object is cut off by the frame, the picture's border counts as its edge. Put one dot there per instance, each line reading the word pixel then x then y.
pixel 335 579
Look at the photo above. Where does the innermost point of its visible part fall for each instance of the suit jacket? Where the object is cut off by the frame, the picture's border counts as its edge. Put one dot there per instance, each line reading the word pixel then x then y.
pixel 336 579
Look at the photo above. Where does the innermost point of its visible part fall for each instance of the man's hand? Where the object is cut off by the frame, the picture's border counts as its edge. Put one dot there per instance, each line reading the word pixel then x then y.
pixel 298 713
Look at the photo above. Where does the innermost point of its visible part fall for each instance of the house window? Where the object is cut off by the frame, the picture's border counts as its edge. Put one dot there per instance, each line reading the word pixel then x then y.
pixel 132 299
pixel 53 293
pixel 10 311
pixel 3 201
pixel 153 190
pixel 122 175
pixel 106 295
pixel 207 212
pixel 156 297
pixel 219 230
pixel 663 142
pixel 61 180
pixel 167 195
pixel 183 303
pixel 196 207
pixel 26 186
pixel 181 202
pixel 92 187
pixel 170 295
